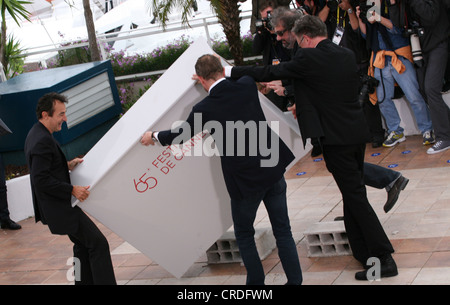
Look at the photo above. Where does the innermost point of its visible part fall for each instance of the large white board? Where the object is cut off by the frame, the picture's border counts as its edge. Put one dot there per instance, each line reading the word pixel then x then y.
pixel 170 206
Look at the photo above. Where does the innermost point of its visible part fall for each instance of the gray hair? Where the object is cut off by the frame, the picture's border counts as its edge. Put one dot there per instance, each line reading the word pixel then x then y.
pixel 311 26
pixel 285 17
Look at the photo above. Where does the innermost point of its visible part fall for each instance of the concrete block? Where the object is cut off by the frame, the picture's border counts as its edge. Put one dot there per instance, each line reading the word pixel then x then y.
pixel 325 239
pixel 225 249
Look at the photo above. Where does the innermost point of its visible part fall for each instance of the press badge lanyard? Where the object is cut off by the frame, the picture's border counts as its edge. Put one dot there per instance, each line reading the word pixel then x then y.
pixel 339 32
pixel 276 60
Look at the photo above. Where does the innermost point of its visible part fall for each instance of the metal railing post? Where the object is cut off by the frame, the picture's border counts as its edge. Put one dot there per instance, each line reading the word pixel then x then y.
pixel 208 38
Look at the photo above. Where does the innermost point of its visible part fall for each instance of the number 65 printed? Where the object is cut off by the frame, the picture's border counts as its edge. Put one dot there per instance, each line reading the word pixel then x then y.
pixel 142 185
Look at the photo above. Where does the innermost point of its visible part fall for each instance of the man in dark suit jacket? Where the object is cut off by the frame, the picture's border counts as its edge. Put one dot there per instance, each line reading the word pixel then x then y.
pixel 326 83
pixel 252 173
pixel 265 42
pixel 5 220
pixel 52 191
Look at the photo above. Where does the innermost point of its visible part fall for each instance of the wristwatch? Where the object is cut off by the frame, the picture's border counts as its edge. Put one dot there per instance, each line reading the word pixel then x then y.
pixel 154 138
pixel 285 92
pixel 350 11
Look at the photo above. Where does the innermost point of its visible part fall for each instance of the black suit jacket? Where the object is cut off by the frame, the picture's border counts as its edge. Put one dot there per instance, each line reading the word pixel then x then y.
pixel 238 101
pixel 326 92
pixel 50 182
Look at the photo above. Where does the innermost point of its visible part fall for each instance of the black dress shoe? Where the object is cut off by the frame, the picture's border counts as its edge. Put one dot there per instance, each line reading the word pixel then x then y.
pixel 377 143
pixel 394 192
pixel 10 225
pixel 316 151
pixel 388 268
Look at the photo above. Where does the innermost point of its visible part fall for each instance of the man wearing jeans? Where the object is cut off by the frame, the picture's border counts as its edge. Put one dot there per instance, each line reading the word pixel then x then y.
pixel 385 91
pixel 393 63
pixel 251 175
pixel 318 70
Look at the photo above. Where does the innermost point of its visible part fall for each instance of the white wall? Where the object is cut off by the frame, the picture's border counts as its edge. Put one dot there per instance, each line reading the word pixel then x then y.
pixel 407 116
pixel 20 202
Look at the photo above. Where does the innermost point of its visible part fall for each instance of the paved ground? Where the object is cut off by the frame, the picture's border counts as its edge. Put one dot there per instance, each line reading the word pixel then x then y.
pixel 418 226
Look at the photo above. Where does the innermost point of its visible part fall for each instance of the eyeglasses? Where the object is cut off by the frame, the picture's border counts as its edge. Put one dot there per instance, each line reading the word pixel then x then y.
pixel 301 40
pixel 281 33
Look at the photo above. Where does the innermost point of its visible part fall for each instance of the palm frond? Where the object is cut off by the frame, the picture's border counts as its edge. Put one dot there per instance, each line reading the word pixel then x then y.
pixel 16 9
pixel 163 8
pixel 14 55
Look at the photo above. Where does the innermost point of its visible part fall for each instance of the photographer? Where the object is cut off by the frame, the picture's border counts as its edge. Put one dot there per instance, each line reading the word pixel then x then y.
pixel 392 64
pixel 307 6
pixel 353 40
pixel 343 29
pixel 428 20
pixel 256 4
pixel 265 42
pixel 265 39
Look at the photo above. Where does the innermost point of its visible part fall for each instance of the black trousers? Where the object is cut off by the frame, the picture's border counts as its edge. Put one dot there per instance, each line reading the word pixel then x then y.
pixel 374 121
pixel 91 248
pixel 430 81
pixel 365 232
pixel 4 212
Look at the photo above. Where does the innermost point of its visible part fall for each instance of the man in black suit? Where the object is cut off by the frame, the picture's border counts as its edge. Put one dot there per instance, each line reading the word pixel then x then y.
pixel 253 171
pixel 5 220
pixel 326 94
pixel 52 191
pixel 265 42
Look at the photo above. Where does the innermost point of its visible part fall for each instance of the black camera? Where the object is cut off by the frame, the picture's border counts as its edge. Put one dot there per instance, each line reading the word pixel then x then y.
pixel 415 28
pixel 264 23
pixel 304 9
pixel 419 31
pixel 369 84
pixel 364 7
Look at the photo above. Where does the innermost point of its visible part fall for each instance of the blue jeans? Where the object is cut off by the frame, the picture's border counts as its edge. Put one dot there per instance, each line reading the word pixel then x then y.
pixel 378 176
pixel 244 212
pixel 408 83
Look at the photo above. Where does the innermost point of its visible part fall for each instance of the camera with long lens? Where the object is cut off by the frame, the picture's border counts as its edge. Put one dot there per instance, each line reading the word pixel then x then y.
pixel 264 23
pixel 414 32
pixel 369 84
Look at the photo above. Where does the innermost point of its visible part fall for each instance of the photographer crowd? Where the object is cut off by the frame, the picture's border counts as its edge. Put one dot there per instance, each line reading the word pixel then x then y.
pixel 390 44
pixel 401 48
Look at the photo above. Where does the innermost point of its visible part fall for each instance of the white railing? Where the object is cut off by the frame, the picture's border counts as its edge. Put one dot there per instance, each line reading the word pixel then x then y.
pixel 204 22
pixel 147 74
